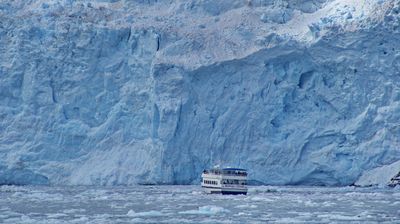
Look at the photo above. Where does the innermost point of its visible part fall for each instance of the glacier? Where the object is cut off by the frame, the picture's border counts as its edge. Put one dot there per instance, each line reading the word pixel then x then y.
pixel 154 91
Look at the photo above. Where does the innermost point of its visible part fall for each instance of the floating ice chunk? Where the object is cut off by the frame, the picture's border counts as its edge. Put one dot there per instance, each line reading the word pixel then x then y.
pixel 255 190
pixel 74 210
pixel 12 188
pixel 131 213
pixel 328 204
pixel 137 220
pixel 206 210
pixel 151 213
pixel 56 215
pixel 82 219
pixel 260 198
pixel 246 206
pixel 264 18
pixel 310 204
pixel 40 196
pixel 197 192
pixel 26 219
pixel 288 220
pixel 340 217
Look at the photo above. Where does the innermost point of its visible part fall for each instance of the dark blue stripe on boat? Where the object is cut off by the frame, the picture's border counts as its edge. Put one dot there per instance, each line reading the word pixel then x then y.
pixel 233 192
pixel 234 169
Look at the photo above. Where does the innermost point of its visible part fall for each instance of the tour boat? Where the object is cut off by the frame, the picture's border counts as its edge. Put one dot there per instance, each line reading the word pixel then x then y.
pixel 224 181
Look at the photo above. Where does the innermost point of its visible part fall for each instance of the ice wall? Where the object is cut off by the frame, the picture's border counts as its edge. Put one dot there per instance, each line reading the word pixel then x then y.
pixel 148 92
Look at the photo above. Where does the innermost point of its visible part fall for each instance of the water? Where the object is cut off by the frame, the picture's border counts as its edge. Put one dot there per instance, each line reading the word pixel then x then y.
pixel 187 204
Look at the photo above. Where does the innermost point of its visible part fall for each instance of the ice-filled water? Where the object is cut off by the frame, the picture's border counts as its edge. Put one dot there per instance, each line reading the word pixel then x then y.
pixel 187 204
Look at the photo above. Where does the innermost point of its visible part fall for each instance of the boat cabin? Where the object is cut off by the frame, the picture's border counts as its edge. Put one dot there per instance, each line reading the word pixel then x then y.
pixel 225 181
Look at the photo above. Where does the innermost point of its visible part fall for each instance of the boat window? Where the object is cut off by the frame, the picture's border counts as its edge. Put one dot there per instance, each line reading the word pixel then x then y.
pixel 213 182
pixel 228 181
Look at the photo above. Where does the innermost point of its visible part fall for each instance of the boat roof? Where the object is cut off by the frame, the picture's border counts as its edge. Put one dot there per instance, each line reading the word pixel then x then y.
pixel 229 169
pixel 215 169
pixel 233 169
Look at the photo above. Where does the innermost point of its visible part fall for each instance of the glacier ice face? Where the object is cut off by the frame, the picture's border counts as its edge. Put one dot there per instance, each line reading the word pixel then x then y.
pixel 149 92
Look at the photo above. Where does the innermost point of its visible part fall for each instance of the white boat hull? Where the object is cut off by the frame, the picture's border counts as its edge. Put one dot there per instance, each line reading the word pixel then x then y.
pixel 219 190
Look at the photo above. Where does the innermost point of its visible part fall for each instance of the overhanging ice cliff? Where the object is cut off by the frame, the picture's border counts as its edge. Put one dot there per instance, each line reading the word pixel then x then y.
pixel 141 92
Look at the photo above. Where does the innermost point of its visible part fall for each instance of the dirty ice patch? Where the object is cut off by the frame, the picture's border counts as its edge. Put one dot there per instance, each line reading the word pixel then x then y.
pixel 206 210
pixel 56 216
pixel 339 217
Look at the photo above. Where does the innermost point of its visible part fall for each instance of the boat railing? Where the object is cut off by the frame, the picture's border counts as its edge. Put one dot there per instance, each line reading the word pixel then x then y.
pixel 235 174
pixel 225 173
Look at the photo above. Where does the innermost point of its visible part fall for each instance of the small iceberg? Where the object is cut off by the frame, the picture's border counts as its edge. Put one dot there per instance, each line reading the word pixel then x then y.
pixel 151 213
pixel 206 210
